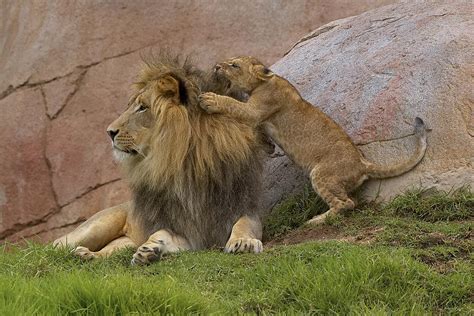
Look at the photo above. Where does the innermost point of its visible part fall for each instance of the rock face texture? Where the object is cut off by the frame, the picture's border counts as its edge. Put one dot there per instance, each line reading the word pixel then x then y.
pixel 373 74
pixel 66 67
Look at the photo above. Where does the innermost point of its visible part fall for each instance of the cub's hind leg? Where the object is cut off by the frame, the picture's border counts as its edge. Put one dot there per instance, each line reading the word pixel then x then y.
pixel 113 246
pixel 160 243
pixel 334 194
pixel 245 236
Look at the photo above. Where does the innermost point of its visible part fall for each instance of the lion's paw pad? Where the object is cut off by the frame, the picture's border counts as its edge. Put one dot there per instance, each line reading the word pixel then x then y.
pixel 244 245
pixel 84 253
pixel 146 255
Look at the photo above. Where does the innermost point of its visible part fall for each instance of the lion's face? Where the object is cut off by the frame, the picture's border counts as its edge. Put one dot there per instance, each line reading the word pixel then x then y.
pixel 131 132
pixel 164 139
pixel 243 73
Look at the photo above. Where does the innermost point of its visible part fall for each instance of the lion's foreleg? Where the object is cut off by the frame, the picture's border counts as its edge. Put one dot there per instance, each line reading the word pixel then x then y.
pixel 99 230
pixel 245 236
pixel 160 243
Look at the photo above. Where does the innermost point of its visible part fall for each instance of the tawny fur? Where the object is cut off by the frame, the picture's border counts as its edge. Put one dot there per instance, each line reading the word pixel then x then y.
pixel 192 175
pixel 307 135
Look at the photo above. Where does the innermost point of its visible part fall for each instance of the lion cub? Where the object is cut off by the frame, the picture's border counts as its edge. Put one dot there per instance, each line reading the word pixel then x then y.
pixel 307 135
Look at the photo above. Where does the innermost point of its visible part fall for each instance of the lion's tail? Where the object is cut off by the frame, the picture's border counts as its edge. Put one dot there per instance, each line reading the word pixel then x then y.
pixel 379 172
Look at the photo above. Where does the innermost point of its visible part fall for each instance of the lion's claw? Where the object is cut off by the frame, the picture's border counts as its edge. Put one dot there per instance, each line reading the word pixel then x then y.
pixel 244 245
pixel 146 255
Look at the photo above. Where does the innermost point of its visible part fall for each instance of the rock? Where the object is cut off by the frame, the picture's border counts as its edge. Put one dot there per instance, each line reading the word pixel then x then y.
pixel 78 146
pixel 26 194
pixel 58 92
pixel 65 75
pixel 61 37
pixel 373 74
pixel 76 212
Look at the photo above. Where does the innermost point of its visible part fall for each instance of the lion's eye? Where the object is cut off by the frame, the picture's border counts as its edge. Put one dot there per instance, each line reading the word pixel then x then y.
pixel 235 65
pixel 142 108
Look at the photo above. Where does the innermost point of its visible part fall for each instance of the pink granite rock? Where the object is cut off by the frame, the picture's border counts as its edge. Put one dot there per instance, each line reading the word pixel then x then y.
pixel 66 67
pixel 76 212
pixel 26 194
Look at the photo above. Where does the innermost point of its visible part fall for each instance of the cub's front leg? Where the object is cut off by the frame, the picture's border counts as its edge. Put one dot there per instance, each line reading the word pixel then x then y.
pixel 247 112
pixel 209 102
pixel 160 243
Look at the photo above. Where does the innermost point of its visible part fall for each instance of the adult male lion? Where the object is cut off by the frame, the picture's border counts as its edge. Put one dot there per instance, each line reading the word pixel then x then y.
pixel 194 177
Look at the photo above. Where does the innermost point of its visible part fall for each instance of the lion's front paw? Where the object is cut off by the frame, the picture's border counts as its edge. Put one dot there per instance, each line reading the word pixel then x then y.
pixel 208 102
pixel 243 245
pixel 146 255
pixel 84 253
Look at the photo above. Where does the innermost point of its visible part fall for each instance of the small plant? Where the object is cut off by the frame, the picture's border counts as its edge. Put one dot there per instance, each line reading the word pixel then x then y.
pixel 293 212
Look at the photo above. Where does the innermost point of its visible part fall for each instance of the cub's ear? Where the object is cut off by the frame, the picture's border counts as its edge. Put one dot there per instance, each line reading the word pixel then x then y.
pixel 262 72
pixel 169 87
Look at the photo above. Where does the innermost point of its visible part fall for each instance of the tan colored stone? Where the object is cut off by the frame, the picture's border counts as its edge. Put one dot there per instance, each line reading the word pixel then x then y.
pixel 374 73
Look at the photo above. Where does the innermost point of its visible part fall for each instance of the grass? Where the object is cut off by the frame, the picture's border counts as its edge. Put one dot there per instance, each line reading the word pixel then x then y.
pixel 412 256
pixel 292 213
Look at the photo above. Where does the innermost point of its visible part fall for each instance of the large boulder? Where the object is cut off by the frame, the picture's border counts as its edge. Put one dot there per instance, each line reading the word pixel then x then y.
pixel 373 74
pixel 66 68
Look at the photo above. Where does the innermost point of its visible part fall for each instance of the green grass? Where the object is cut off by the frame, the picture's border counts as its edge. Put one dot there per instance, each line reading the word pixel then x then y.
pixel 330 277
pixel 435 206
pixel 416 263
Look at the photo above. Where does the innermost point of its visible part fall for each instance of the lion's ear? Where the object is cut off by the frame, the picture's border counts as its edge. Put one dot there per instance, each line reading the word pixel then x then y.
pixel 262 72
pixel 169 86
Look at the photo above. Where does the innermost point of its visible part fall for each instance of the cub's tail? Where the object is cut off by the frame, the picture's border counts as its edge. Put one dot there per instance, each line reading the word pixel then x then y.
pixel 379 172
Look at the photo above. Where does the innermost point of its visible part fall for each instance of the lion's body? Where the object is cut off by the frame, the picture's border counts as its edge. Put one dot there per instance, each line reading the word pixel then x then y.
pixel 307 135
pixel 202 211
pixel 193 176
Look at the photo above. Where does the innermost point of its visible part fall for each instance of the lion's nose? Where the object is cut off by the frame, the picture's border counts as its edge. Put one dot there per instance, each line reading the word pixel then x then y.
pixel 112 133
pixel 217 67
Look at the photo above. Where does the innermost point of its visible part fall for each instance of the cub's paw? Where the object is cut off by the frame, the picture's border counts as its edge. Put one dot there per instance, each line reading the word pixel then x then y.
pixel 243 245
pixel 84 253
pixel 208 102
pixel 319 219
pixel 146 255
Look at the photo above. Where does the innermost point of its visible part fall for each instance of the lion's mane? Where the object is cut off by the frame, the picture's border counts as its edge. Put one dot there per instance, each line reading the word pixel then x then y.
pixel 202 171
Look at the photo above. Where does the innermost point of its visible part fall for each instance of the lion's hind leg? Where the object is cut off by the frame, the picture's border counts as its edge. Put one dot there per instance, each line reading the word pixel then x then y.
pixel 99 230
pixel 115 245
pixel 160 243
pixel 245 236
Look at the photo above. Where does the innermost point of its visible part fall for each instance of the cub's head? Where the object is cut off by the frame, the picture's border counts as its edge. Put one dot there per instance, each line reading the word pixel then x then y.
pixel 243 73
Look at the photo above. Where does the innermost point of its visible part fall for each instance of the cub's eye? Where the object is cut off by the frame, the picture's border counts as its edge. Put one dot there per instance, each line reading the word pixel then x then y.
pixel 234 65
pixel 142 108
